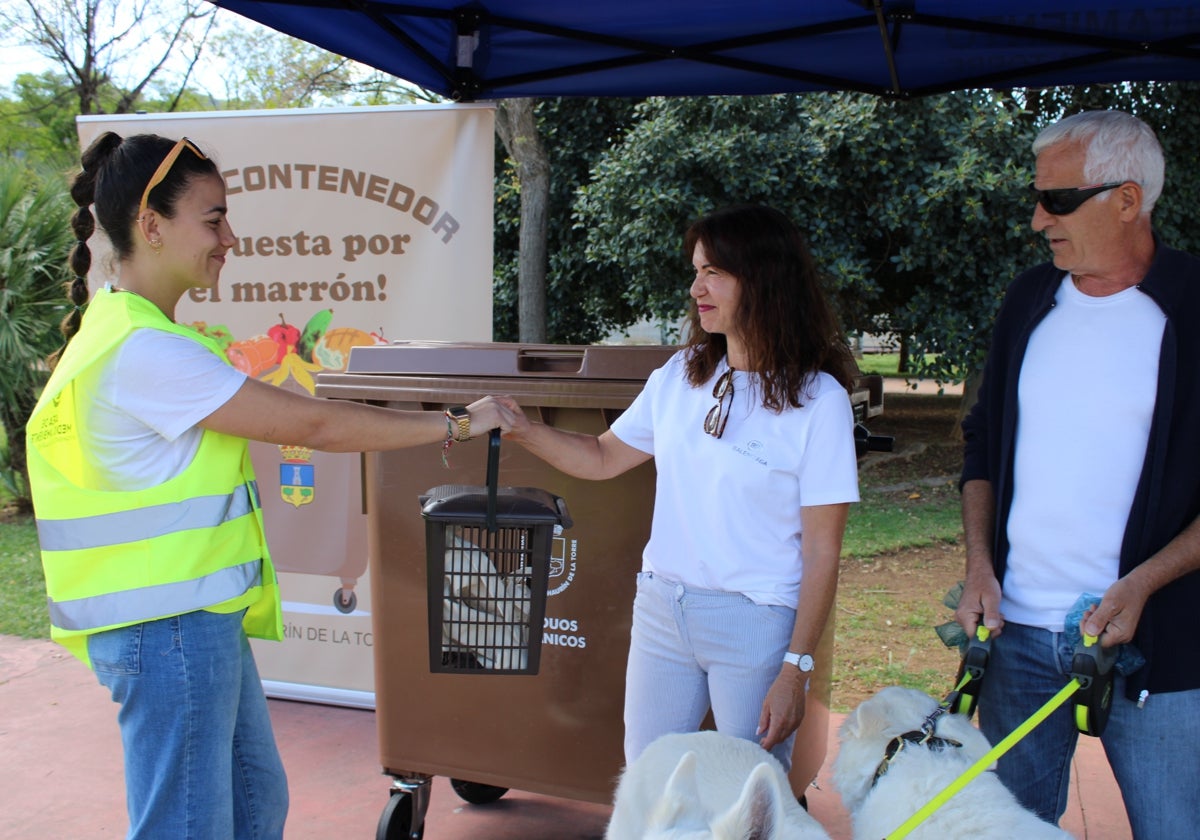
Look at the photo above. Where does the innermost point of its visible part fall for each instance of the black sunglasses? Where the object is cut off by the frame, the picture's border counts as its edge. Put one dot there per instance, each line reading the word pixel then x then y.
pixel 1065 202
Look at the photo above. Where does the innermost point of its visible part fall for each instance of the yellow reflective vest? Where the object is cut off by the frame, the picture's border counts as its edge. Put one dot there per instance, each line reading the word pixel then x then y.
pixel 116 558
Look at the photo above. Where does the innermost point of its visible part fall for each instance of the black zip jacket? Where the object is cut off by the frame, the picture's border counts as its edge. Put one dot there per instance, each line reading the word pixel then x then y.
pixel 1168 492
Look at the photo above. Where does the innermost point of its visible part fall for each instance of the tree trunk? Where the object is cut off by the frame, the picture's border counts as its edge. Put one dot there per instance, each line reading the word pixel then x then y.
pixel 970 395
pixel 903 365
pixel 517 126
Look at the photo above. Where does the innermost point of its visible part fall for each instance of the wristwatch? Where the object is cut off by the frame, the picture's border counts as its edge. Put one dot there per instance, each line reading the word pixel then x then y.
pixel 803 661
pixel 462 418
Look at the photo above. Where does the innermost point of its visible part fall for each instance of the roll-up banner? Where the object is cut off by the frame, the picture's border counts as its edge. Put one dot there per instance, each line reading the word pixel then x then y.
pixel 354 226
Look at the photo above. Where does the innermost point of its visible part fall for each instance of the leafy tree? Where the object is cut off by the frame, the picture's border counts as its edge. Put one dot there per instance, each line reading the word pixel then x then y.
pixel 38 124
pixel 681 158
pixel 263 68
pixel 949 228
pixel 113 51
pixel 573 134
pixel 374 87
pixel 267 69
pixel 916 210
pixel 34 238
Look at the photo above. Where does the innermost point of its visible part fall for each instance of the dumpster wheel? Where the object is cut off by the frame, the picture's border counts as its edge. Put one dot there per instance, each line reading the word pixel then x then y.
pixel 477 793
pixel 345 600
pixel 396 821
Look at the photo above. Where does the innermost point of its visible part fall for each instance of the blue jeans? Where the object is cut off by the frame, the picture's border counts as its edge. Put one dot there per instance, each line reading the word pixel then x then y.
pixel 1154 751
pixel 200 756
pixel 695 648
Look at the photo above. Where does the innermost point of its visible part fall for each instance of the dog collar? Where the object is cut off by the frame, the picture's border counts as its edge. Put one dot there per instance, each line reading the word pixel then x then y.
pixel 917 737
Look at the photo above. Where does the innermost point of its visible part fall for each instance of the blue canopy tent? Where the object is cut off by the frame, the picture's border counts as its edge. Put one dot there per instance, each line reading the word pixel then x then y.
pixel 899 48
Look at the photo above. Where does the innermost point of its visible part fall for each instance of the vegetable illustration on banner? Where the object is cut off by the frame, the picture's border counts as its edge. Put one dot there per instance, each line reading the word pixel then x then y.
pixel 293 347
pixel 285 352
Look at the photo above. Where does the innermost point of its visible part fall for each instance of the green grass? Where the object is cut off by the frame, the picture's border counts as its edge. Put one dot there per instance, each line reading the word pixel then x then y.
pixel 890 520
pixel 883 638
pixel 22 587
pixel 885 364
pixel 891 669
pixel 870 604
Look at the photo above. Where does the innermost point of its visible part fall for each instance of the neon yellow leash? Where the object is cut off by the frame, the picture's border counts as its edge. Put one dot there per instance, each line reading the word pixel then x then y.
pixel 995 752
pixel 982 764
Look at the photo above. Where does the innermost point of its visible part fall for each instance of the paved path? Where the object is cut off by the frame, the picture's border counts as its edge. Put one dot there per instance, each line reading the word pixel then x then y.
pixel 897 385
pixel 61 771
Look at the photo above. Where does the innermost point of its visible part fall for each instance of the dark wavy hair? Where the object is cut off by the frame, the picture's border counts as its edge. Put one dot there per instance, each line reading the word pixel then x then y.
pixel 115 172
pixel 784 317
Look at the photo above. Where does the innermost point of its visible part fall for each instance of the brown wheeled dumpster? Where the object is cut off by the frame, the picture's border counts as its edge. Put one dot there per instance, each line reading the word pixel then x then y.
pixel 558 732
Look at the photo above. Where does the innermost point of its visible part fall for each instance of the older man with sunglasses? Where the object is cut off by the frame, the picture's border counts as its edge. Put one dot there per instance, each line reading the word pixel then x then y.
pixel 1081 478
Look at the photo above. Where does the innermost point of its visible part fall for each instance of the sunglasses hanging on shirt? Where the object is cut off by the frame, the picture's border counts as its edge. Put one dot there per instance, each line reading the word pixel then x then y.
pixel 718 415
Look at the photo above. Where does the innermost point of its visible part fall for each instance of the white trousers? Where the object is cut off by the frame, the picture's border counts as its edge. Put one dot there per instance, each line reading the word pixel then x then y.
pixel 692 649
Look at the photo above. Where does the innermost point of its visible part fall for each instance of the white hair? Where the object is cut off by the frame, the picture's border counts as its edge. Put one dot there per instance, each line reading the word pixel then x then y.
pixel 1119 147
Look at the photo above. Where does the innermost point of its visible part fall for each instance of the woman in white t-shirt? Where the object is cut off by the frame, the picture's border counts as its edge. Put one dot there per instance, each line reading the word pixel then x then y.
pixel 151 534
pixel 751 432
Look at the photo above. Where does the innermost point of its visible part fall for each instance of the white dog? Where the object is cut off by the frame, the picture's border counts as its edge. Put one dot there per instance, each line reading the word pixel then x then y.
pixel 882 791
pixel 707 786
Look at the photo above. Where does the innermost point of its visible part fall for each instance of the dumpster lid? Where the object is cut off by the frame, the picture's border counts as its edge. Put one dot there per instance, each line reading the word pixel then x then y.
pixel 463 503
pixel 445 358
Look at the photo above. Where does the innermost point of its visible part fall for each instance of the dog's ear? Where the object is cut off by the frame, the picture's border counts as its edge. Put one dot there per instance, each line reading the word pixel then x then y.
pixel 850 726
pixel 758 813
pixel 680 805
pixel 872 717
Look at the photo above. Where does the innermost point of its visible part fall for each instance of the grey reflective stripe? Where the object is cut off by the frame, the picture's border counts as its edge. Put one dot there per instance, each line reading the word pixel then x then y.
pixel 145 523
pixel 151 602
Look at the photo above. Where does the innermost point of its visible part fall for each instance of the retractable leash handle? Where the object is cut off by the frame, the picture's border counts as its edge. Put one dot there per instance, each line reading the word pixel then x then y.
pixel 975 662
pixel 1093 668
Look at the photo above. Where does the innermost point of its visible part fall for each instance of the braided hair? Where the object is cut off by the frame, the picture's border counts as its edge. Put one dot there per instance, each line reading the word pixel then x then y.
pixel 114 175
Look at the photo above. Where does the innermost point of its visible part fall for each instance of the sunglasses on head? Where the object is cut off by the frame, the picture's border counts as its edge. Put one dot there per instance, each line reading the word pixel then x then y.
pixel 1065 202
pixel 165 167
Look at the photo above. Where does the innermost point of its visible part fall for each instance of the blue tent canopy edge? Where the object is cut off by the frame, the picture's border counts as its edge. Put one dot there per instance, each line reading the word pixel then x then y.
pixel 895 48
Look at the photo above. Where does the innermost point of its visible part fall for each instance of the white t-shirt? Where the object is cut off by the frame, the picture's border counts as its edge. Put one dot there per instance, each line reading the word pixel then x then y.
pixel 143 406
pixel 727 511
pixel 1085 397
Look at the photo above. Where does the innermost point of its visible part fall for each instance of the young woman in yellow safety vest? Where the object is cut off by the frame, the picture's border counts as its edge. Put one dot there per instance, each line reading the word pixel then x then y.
pixel 147 509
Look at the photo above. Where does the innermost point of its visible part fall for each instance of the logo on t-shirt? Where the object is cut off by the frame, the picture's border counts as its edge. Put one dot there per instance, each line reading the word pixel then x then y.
pixel 755 449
